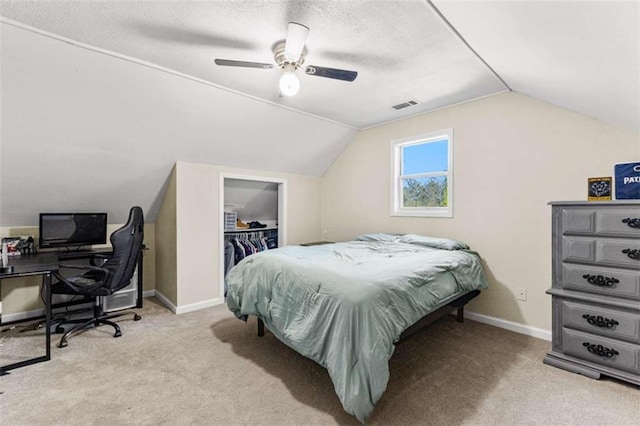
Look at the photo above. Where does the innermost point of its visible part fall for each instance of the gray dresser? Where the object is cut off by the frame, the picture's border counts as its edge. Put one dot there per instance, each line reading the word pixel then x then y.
pixel 596 289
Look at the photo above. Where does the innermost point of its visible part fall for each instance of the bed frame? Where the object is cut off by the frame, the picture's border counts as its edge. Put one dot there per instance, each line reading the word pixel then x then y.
pixel 455 302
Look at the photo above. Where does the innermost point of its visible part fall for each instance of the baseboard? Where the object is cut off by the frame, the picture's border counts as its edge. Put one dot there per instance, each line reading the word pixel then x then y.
pixel 198 305
pixel 183 309
pixel 166 302
pixel 508 325
pixel 485 319
pixel 496 322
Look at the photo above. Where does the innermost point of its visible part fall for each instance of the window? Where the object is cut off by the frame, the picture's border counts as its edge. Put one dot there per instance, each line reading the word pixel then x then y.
pixel 422 175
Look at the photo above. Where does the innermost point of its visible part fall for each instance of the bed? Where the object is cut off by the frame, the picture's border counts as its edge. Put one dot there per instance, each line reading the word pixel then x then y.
pixel 345 305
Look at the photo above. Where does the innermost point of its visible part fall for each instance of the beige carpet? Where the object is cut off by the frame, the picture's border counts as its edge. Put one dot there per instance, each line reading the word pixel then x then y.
pixel 207 367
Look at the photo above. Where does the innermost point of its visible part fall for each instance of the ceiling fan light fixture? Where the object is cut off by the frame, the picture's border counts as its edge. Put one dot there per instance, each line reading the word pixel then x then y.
pixel 289 55
pixel 289 82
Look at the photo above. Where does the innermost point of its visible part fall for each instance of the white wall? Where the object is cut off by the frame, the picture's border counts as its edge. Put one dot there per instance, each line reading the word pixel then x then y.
pixel 512 155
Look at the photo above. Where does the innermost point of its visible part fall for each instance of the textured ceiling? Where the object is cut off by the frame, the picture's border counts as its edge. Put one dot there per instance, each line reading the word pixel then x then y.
pixel 581 55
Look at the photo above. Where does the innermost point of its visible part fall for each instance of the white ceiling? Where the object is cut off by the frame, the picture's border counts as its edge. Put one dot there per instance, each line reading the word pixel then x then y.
pixel 73 87
pixel 582 55
pixel 401 48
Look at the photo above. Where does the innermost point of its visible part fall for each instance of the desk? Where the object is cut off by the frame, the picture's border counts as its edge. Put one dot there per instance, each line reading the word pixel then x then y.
pixel 34 264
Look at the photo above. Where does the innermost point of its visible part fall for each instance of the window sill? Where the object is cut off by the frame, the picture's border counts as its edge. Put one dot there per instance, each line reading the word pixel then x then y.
pixel 445 214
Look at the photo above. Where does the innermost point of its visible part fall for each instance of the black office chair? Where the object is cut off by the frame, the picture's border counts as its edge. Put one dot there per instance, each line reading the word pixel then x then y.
pixel 104 279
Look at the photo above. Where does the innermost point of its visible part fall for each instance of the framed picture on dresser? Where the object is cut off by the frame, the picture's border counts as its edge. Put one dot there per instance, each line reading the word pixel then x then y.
pixel 599 188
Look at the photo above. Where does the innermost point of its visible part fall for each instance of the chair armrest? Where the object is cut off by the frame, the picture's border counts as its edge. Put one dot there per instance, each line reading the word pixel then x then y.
pixel 78 285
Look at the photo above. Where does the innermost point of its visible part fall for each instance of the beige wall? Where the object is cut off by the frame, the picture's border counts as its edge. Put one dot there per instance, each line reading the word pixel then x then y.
pixel 198 232
pixel 512 155
pixel 190 277
pixel 22 294
pixel 166 240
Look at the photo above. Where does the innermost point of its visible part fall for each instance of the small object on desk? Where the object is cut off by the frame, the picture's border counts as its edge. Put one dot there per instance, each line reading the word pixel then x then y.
pixel 18 245
pixel 316 243
pixel 5 254
pixel 6 269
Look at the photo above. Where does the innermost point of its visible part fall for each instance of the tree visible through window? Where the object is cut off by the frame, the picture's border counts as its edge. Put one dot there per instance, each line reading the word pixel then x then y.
pixel 422 175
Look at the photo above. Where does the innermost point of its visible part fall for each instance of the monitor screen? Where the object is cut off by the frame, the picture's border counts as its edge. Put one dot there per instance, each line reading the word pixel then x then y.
pixel 72 229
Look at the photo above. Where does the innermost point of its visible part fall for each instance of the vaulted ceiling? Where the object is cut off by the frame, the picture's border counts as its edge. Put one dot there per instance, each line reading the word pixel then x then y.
pixel 133 85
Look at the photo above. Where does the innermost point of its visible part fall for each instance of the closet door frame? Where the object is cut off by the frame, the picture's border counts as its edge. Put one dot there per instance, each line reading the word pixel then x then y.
pixel 282 214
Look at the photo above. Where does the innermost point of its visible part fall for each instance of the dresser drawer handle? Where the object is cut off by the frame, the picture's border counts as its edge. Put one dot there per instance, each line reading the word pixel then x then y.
pixel 633 254
pixel 632 222
pixel 600 321
pixel 601 280
pixel 600 350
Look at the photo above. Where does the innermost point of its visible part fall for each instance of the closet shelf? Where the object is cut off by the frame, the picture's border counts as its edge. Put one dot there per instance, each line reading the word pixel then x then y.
pixel 268 228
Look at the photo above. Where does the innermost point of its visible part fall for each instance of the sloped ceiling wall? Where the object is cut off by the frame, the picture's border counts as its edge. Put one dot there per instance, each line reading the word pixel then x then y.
pixel 84 131
pixel 581 55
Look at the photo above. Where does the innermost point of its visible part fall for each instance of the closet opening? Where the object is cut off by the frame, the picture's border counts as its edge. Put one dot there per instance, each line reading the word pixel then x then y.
pixel 252 218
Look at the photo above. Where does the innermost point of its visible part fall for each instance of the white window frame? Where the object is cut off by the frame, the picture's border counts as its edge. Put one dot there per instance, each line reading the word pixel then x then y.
pixel 396 178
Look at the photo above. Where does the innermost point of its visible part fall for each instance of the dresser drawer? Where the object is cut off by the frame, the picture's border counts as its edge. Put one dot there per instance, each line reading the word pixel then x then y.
pixel 618 222
pixel 601 350
pixel 607 281
pixel 602 251
pixel 609 322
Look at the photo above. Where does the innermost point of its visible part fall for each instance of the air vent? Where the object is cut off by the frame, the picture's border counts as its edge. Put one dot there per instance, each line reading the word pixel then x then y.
pixel 405 104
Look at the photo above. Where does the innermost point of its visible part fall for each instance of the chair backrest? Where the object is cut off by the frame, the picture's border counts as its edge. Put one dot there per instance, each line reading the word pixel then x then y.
pixel 127 246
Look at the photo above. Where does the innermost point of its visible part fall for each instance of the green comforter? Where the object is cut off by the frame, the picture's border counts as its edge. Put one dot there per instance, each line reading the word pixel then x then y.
pixel 344 305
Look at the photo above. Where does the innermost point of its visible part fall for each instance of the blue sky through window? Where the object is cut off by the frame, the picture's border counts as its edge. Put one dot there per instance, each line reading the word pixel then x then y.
pixel 425 158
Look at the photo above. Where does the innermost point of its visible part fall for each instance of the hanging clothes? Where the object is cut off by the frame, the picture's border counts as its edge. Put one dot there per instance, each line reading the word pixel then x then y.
pixel 229 262
pixel 239 245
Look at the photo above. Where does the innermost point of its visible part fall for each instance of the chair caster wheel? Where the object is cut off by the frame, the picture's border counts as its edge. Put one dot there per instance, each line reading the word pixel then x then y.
pixel 137 317
pixel 118 333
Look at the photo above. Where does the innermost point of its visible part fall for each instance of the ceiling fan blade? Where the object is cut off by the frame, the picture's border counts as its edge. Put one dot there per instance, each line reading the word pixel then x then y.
pixel 232 63
pixel 296 38
pixel 331 73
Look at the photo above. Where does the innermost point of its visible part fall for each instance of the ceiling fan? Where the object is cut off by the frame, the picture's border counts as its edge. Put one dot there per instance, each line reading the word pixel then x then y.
pixel 289 55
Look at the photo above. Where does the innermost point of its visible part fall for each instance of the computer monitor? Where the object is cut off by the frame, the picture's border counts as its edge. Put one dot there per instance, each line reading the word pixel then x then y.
pixel 72 229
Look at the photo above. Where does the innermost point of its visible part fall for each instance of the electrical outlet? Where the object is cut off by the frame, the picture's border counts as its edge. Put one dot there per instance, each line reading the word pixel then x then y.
pixel 521 294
